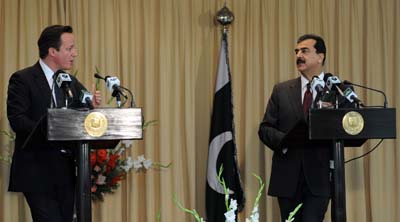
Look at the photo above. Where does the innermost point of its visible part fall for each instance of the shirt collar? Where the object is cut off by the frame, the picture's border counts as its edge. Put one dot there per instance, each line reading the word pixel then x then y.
pixel 47 72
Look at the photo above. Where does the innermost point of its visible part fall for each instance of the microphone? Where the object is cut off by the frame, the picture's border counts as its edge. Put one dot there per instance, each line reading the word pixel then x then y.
pixel 385 103
pixel 327 75
pixel 97 76
pixel 113 85
pixel 333 82
pixel 63 81
pixel 326 95
pixel 351 96
pixel 317 84
pixel 86 98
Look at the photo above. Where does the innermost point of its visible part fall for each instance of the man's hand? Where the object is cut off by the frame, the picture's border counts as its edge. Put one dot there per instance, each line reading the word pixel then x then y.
pixel 96 96
pixel 326 105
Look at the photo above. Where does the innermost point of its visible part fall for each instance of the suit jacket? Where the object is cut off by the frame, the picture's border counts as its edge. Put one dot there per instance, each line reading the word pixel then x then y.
pixel 283 111
pixel 37 164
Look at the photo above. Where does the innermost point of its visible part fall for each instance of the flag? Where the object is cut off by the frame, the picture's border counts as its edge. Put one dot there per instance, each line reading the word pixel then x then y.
pixel 222 146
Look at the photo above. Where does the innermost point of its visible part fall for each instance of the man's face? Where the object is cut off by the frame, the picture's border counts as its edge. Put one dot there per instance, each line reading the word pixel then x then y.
pixel 307 59
pixel 64 57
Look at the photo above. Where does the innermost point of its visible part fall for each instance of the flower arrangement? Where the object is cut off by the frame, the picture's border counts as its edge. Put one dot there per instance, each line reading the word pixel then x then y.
pixel 108 168
pixel 231 204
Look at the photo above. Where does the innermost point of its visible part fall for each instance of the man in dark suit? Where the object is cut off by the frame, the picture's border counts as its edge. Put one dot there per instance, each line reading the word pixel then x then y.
pixel 300 174
pixel 43 171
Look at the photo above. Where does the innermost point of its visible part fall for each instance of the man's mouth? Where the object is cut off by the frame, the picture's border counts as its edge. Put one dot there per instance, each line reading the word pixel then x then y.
pixel 300 61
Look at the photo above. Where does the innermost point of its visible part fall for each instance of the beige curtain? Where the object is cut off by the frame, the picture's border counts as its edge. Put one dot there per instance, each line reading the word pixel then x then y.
pixel 166 52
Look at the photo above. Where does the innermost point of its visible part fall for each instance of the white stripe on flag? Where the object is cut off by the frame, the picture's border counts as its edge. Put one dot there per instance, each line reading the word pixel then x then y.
pixel 222 76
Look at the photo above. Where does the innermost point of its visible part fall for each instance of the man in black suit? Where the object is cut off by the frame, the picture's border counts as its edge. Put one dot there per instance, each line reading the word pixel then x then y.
pixel 300 174
pixel 43 171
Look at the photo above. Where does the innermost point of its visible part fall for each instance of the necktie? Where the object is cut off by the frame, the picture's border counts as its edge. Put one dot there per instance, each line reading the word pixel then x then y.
pixel 59 96
pixel 307 100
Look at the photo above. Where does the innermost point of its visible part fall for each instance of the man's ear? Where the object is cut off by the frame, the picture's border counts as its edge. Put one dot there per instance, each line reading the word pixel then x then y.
pixel 52 51
pixel 321 57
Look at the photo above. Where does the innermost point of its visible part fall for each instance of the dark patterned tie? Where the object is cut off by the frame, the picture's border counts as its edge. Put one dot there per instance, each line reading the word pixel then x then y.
pixel 59 96
pixel 307 100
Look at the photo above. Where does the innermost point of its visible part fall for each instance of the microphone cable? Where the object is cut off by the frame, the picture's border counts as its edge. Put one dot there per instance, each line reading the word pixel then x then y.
pixel 28 138
pixel 365 154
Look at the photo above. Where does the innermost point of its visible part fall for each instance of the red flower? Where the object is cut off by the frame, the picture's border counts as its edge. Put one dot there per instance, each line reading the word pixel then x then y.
pixel 92 159
pixel 115 180
pixel 112 161
pixel 101 155
pixel 114 157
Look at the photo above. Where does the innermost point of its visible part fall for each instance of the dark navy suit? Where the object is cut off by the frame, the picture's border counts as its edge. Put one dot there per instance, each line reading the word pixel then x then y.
pixel 38 166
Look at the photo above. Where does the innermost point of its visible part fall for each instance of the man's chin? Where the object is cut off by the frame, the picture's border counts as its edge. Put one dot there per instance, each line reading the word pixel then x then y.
pixel 301 68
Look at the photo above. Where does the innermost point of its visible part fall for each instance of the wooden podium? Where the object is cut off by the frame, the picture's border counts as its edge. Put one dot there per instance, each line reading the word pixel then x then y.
pixel 91 129
pixel 348 128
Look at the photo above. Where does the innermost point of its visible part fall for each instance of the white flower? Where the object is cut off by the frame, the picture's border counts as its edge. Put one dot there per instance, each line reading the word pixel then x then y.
pixel 127 143
pixel 128 164
pixel 147 164
pixel 137 164
pixel 254 217
pixel 96 168
pixel 120 150
pixel 227 194
pixel 233 205
pixel 141 158
pixel 230 216
pixel 101 180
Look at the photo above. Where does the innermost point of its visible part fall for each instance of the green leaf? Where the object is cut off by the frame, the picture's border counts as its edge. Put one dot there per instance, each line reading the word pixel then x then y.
pixel 149 123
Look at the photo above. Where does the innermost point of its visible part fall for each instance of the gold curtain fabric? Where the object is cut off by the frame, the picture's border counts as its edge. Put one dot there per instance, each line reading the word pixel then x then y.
pixel 166 52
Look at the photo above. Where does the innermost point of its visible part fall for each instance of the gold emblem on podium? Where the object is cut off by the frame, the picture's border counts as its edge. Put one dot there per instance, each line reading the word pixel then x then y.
pixel 353 123
pixel 96 124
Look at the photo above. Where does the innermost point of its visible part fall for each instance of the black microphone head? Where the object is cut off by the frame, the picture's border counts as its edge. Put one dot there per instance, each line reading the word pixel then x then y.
pixel 96 75
pixel 346 82
pixel 327 75
pixel 58 72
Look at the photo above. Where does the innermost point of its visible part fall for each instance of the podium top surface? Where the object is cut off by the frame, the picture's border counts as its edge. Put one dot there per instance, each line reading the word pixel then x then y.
pixel 96 124
pixel 352 124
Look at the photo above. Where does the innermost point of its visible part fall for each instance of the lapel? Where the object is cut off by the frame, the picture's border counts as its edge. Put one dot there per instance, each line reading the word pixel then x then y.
pixel 42 85
pixel 294 94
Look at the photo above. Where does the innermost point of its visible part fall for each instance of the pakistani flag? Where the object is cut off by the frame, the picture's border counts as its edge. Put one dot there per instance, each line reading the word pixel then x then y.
pixel 222 146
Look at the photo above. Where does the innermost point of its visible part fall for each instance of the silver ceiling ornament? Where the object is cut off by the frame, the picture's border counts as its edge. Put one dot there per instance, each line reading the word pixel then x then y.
pixel 224 17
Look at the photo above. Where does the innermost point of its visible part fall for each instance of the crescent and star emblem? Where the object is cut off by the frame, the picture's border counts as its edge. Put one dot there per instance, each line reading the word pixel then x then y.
pixel 96 124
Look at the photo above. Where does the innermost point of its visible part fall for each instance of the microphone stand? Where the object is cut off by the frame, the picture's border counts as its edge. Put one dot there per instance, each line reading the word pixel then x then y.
pixel 118 97
pixel 66 101
pixel 385 103
pixel 131 94
pixel 338 184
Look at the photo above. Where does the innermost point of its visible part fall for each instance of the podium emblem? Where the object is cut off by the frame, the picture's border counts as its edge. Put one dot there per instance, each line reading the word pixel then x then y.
pixel 353 123
pixel 96 124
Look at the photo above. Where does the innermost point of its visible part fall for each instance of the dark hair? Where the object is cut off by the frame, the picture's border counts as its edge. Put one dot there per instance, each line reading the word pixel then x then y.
pixel 319 44
pixel 51 38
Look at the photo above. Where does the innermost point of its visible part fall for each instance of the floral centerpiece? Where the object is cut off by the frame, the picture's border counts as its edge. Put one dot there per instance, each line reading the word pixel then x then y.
pixel 109 168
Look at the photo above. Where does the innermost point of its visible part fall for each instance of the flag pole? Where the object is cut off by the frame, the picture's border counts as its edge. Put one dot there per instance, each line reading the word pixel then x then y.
pixel 222 151
pixel 225 17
